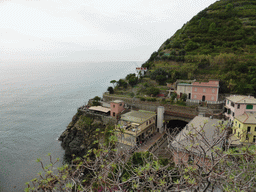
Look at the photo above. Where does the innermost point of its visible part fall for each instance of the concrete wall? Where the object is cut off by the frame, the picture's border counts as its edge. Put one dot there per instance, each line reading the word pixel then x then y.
pixel 152 106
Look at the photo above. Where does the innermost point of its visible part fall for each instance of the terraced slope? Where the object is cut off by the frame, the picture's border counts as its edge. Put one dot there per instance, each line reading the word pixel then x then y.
pixel 218 43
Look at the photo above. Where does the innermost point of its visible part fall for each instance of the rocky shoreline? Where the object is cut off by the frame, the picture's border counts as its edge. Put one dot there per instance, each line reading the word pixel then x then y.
pixel 80 134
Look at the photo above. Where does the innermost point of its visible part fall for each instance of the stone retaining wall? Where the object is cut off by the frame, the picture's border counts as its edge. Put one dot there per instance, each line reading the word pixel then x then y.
pixel 151 106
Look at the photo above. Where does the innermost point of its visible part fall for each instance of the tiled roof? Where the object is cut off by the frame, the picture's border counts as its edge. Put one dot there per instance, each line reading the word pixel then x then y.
pixel 242 99
pixel 247 117
pixel 208 132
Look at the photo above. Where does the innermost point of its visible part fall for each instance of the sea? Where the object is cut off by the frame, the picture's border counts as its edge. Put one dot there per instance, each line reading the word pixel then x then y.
pixel 37 102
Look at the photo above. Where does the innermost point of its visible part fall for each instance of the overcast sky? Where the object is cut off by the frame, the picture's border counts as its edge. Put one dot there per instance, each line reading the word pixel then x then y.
pixel 90 30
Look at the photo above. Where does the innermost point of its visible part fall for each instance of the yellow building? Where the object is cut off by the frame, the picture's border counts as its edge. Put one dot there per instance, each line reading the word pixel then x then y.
pixel 244 127
pixel 135 126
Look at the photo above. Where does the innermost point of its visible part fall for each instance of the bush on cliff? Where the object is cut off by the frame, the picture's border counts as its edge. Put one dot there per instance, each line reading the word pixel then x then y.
pixel 110 90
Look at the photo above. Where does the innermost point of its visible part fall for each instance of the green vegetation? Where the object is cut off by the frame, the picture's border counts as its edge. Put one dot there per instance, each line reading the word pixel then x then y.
pixel 218 43
pixel 103 168
pixel 96 101
pixel 110 90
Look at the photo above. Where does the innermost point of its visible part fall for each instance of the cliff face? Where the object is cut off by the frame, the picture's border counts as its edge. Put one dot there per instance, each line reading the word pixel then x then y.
pixel 80 134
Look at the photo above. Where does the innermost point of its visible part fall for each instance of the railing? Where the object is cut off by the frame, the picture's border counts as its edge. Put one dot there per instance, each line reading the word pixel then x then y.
pixel 158 143
pixel 208 102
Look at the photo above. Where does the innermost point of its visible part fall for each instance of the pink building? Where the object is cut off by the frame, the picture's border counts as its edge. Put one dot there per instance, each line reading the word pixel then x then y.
pixel 205 91
pixel 116 107
pixel 236 105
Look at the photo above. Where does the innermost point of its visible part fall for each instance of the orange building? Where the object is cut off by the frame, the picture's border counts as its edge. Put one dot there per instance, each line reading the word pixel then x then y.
pixel 116 107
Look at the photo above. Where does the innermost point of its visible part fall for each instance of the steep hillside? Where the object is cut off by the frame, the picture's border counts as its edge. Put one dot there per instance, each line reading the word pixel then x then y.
pixel 218 43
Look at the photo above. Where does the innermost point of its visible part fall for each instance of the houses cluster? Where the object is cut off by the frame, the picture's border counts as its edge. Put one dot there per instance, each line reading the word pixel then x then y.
pixel 196 91
pixel 135 127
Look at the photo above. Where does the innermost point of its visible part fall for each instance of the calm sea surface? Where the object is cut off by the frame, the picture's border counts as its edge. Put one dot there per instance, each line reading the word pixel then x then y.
pixel 37 101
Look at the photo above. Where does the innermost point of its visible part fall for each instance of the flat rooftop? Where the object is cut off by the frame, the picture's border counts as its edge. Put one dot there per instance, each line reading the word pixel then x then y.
pixel 100 108
pixel 138 116
pixel 117 101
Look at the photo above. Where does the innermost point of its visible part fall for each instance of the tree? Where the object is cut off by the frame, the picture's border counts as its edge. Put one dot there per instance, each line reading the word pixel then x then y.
pixel 161 79
pixel 113 82
pixel 191 46
pixel 184 97
pixel 122 83
pixel 203 24
pixel 212 28
pixel 153 91
pixel 96 101
pixel 111 90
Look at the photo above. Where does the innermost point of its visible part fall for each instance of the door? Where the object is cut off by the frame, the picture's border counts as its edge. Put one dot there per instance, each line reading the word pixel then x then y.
pixel 203 98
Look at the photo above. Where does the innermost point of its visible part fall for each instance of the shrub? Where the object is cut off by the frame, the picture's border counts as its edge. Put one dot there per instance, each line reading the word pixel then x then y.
pixel 110 90
pixel 153 99
pixel 122 83
pixel 191 46
pixel 153 91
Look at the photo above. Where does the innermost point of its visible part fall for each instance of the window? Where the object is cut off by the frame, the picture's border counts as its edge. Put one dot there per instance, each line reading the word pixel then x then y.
pixel 114 114
pixel 204 90
pixel 239 125
pixel 235 123
pixel 213 90
pixel 249 106
pixel 120 104
pixel 248 129
pixel 195 89
pixel 232 104
pixel 255 129
pixel 113 106
pixel 254 138
pixel 247 137
pixel 147 123
pixel 227 101
pixel 238 106
pixel 233 114
pixel 238 134
pixel 212 98
pixel 194 96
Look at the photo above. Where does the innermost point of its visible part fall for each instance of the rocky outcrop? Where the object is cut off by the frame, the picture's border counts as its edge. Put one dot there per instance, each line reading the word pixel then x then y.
pixel 80 134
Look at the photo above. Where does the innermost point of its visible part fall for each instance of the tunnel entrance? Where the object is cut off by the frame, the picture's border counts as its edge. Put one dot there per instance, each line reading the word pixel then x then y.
pixel 176 125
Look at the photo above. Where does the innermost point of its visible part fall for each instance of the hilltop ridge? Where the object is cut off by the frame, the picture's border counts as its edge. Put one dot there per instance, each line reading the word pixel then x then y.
pixel 218 43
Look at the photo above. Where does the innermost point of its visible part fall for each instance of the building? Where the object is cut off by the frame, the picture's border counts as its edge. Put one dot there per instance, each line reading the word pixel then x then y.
pixel 198 91
pixel 141 71
pixel 237 105
pixel 116 107
pixel 193 145
pixel 184 88
pixel 205 91
pixel 136 126
pixel 244 127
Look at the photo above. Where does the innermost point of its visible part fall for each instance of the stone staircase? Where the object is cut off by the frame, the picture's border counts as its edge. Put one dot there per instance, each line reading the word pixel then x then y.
pixel 202 111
